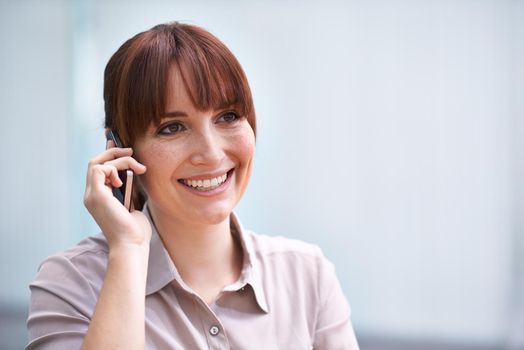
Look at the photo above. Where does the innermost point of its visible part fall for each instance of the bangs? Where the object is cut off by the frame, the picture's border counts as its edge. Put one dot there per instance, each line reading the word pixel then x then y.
pixel 136 78
pixel 134 84
pixel 211 74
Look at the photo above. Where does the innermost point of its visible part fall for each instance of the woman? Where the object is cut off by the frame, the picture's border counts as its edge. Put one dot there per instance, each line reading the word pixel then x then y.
pixel 179 271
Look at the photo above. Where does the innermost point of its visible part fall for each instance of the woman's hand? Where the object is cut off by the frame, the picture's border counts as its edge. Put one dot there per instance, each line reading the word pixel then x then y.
pixel 122 297
pixel 121 227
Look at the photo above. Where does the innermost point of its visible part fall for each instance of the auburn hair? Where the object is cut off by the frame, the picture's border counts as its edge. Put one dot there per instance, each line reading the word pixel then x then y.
pixel 136 76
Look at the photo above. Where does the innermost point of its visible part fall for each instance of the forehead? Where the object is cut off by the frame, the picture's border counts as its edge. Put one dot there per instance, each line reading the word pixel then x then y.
pixel 177 95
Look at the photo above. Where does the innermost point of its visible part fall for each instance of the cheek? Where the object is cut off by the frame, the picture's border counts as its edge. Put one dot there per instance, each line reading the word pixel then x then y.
pixel 156 158
pixel 243 144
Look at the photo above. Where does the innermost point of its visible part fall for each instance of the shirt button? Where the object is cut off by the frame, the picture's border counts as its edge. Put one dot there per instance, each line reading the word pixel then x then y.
pixel 214 330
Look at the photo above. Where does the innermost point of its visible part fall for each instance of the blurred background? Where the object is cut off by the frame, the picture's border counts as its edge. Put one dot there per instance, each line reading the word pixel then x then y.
pixel 391 134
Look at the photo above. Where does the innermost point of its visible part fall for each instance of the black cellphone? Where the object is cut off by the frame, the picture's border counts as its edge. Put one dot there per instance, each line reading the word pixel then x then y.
pixel 124 192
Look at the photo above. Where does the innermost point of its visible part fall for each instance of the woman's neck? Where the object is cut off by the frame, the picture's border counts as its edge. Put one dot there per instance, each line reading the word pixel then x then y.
pixel 207 256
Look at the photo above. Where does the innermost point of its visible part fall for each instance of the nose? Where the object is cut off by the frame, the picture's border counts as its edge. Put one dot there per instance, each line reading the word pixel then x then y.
pixel 207 148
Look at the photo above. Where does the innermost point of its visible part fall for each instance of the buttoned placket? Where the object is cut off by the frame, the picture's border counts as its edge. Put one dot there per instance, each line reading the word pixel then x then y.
pixel 212 328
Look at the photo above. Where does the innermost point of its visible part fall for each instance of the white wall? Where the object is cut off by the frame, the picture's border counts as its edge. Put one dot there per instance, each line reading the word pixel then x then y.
pixel 516 302
pixel 386 135
pixel 35 216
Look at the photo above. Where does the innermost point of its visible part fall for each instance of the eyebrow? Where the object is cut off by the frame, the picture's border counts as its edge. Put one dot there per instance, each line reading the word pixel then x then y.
pixel 174 114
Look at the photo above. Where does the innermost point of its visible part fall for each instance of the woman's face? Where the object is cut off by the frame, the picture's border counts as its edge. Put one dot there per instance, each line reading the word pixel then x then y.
pixel 198 162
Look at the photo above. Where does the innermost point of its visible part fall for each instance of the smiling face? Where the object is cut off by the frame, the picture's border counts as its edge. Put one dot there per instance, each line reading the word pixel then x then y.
pixel 198 162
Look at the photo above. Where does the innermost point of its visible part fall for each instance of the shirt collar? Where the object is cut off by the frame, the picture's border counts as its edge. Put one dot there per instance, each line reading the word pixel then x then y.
pixel 251 273
pixel 161 270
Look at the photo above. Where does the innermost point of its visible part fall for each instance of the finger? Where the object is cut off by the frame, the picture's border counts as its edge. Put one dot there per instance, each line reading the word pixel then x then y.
pixel 104 175
pixel 128 162
pixel 110 154
pixel 114 179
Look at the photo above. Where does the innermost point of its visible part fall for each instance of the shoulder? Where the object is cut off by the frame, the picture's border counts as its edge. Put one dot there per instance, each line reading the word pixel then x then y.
pixel 78 269
pixel 292 258
pixel 90 250
pixel 64 293
pixel 279 247
pixel 297 276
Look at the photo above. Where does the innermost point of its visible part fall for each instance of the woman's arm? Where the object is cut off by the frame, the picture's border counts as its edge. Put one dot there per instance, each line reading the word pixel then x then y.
pixel 118 320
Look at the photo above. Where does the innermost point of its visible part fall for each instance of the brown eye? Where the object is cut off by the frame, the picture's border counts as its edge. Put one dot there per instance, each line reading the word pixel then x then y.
pixel 171 129
pixel 229 117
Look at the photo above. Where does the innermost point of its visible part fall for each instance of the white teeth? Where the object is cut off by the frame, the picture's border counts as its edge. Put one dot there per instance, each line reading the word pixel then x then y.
pixel 206 185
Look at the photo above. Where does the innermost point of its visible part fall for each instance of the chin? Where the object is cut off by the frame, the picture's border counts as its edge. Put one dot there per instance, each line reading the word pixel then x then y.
pixel 213 217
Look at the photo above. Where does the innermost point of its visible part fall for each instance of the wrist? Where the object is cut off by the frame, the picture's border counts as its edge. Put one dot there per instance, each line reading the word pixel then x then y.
pixel 128 250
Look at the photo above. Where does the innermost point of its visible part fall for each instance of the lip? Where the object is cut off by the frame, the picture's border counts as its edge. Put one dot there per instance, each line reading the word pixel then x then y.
pixel 222 188
pixel 207 176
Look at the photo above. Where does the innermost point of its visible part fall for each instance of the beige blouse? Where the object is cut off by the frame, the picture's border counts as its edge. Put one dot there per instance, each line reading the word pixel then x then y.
pixel 287 297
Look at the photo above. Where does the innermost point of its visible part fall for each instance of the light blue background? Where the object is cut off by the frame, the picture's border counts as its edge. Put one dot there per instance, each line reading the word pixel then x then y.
pixel 390 133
